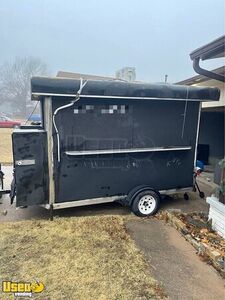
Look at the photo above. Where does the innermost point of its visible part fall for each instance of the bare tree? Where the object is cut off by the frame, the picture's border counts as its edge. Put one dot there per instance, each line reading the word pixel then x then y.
pixel 15 82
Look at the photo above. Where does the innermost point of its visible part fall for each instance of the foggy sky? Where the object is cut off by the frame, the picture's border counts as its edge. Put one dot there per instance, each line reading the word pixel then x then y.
pixel 101 36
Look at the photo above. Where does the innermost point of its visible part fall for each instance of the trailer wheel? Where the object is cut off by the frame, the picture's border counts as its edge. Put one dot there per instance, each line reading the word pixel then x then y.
pixel 202 195
pixel 146 203
pixel 186 196
pixel 1 183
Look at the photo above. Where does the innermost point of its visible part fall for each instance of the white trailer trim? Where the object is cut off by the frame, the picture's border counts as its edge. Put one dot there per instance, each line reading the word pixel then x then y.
pixel 197 135
pixel 110 97
pixel 121 151
pixel 48 128
pixel 18 130
pixel 93 201
pixel 85 202
pixel 175 191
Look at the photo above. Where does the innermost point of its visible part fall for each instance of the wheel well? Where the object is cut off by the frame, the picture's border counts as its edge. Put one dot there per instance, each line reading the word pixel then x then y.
pixel 135 191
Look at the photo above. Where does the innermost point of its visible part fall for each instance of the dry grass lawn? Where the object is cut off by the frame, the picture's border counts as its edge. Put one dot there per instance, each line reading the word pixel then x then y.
pixel 76 258
pixel 6 145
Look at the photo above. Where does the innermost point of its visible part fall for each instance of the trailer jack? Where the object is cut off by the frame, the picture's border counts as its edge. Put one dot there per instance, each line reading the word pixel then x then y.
pixel 51 212
pixel 196 186
pixel 2 191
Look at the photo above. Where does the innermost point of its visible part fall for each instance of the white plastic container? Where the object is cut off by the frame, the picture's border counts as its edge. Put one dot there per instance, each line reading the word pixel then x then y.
pixel 217 214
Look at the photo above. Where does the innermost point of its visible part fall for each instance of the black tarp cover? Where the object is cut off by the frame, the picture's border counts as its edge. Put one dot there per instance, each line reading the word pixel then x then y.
pixel 41 86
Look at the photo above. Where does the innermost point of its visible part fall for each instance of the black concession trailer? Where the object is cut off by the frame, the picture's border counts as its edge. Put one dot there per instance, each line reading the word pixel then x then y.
pixel 105 141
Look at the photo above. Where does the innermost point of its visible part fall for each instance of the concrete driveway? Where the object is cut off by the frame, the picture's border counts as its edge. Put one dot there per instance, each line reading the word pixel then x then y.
pixel 174 262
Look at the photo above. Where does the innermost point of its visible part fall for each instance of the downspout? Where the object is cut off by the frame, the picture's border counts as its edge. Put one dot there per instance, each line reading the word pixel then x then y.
pixel 206 73
pixel 82 85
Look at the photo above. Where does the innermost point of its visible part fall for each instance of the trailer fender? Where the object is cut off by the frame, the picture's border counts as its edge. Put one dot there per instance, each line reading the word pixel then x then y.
pixel 135 191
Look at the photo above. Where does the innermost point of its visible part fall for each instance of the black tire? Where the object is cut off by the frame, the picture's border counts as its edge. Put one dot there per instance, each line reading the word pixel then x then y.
pixel 146 203
pixel 1 183
pixel 202 195
pixel 186 196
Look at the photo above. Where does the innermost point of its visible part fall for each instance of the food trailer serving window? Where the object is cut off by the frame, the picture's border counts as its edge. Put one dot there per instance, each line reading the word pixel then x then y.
pixel 95 125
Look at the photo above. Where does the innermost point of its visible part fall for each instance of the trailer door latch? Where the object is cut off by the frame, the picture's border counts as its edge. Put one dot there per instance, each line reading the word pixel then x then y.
pixel 25 162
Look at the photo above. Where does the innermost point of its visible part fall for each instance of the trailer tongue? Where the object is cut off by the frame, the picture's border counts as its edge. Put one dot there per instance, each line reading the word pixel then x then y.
pixel 2 190
pixel 104 141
